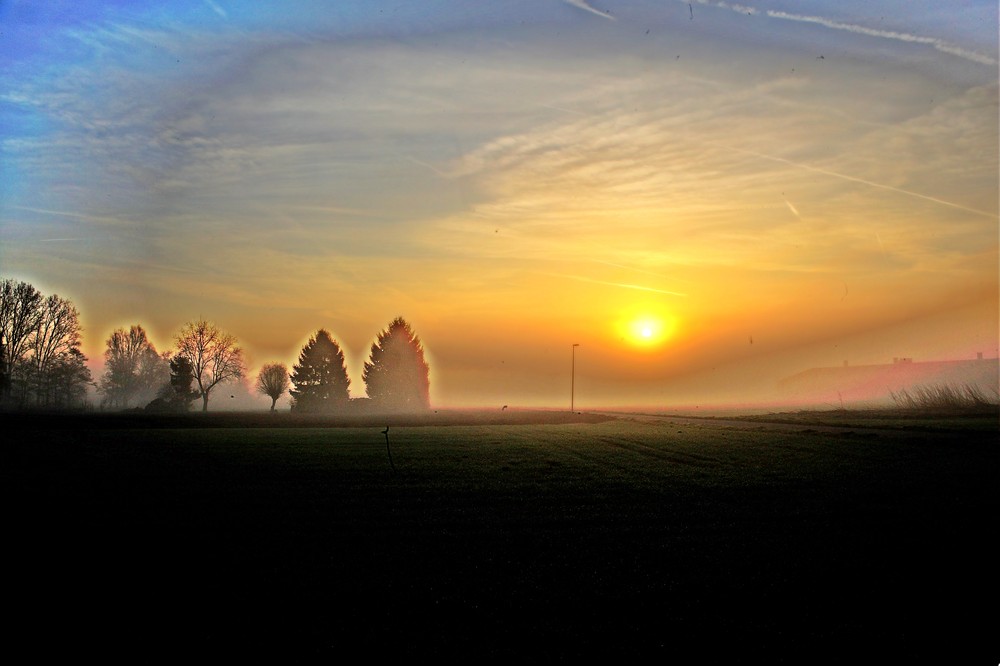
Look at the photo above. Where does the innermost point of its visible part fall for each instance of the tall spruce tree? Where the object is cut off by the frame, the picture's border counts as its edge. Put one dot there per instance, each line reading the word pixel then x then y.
pixel 320 376
pixel 396 375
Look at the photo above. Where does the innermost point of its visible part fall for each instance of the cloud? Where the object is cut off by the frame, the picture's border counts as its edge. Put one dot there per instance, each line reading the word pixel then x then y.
pixel 481 164
pixel 697 179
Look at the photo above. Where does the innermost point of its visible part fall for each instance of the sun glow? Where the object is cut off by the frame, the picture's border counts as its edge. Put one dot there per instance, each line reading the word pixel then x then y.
pixel 645 327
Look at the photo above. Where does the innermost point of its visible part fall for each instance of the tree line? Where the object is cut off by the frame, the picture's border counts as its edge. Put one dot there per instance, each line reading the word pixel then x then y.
pixel 41 365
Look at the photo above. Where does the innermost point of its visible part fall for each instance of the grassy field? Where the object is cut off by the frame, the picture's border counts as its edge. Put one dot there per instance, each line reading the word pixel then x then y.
pixel 531 536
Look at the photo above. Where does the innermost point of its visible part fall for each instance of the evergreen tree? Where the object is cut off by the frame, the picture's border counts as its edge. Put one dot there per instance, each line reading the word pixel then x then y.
pixel 320 376
pixel 396 375
pixel 178 395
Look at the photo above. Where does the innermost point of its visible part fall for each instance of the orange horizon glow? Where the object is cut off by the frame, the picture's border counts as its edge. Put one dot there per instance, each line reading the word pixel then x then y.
pixel 712 208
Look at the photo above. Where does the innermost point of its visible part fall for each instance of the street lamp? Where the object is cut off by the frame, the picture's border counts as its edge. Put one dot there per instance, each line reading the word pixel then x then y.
pixel 572 378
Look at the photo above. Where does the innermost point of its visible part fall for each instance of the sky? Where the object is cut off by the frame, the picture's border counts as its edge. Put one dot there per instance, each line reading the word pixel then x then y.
pixel 706 197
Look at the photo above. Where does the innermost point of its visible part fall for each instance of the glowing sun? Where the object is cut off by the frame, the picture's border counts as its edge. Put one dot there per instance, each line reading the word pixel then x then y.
pixel 645 329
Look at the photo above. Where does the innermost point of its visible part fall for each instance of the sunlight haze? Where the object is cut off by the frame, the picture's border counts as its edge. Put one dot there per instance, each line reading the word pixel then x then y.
pixel 706 197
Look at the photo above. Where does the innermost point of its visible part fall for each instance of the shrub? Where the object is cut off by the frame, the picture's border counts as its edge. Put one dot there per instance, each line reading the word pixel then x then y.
pixel 945 397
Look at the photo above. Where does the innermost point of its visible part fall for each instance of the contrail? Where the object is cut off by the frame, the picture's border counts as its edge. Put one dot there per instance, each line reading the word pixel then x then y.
pixel 559 108
pixel 620 285
pixel 582 4
pixel 340 210
pixel 64 213
pixel 936 43
pixel 854 179
pixel 639 270
pixel 429 166
pixel 217 9
pixel 792 208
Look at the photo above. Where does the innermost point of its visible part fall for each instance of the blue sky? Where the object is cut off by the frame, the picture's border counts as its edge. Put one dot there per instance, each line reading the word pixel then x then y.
pixel 513 176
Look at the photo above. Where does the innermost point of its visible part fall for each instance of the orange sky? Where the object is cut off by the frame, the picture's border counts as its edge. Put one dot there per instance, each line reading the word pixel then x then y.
pixel 823 185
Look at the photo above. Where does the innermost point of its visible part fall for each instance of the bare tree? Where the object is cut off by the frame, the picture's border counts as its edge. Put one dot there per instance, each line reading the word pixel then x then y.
pixel 40 359
pixel 273 381
pixel 58 330
pixel 20 313
pixel 214 355
pixel 133 369
pixel 57 335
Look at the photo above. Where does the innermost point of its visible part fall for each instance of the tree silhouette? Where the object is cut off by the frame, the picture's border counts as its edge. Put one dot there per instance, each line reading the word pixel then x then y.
pixel 20 315
pixel 68 378
pixel 133 369
pixel 272 381
pixel 49 370
pixel 40 359
pixel 179 393
pixel 4 373
pixel 214 355
pixel 320 376
pixel 396 375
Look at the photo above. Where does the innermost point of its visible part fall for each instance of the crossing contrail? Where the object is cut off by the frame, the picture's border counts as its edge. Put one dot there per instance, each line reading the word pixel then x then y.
pixel 855 179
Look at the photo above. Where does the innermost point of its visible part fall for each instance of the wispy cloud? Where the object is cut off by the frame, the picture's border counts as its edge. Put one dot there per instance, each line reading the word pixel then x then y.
pixel 607 164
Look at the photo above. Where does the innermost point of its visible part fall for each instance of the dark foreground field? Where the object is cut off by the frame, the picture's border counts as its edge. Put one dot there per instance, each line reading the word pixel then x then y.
pixel 528 537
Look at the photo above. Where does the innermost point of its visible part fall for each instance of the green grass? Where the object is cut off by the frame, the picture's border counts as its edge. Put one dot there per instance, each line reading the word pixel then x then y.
pixel 527 540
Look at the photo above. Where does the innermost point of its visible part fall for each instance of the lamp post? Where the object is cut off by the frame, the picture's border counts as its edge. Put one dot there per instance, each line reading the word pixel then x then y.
pixel 572 378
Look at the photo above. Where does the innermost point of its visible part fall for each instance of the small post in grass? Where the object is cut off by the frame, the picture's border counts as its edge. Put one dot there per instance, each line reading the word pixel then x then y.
pixel 387 450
